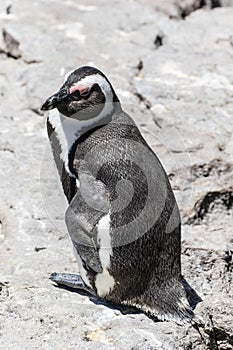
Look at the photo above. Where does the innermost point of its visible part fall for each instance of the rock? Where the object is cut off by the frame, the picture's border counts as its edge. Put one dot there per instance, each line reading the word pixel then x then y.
pixel 11 45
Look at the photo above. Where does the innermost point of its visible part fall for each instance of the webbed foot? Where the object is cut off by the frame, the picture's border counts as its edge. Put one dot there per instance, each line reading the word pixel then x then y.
pixel 70 280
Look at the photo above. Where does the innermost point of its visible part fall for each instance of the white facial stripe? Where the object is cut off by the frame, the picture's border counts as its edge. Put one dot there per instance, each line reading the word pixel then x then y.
pixel 66 76
pixel 66 130
pixel 104 281
pixel 90 80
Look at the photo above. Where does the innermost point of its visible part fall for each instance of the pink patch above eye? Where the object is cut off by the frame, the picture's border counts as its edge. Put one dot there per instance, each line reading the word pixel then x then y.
pixel 80 88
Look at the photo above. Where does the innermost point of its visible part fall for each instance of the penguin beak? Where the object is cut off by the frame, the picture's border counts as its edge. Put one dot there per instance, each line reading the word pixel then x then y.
pixel 55 99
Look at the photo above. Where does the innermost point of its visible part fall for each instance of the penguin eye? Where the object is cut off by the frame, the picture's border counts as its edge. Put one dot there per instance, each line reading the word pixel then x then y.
pixel 85 93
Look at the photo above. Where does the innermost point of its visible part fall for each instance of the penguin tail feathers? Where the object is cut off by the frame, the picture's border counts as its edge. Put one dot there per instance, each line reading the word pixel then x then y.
pixel 168 302
pixel 170 307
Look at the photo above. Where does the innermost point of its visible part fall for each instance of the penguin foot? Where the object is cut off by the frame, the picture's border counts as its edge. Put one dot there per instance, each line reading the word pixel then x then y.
pixel 70 280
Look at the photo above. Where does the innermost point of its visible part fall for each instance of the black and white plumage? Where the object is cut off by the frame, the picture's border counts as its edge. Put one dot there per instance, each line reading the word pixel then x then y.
pixel 122 216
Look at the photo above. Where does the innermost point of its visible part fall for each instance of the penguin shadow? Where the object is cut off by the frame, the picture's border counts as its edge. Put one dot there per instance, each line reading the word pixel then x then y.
pixel 124 309
pixel 192 296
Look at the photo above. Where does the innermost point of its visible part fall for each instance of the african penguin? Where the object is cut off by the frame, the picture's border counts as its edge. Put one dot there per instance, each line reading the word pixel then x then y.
pixel 122 216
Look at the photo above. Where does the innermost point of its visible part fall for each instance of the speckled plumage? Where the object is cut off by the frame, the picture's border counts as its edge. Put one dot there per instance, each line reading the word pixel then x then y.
pixel 124 201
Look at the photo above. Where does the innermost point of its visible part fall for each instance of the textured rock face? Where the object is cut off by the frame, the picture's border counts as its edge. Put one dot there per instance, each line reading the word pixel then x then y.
pixel 174 76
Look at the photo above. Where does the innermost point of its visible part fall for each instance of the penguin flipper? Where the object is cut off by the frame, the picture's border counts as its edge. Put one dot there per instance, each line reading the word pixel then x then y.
pixel 88 206
pixel 70 280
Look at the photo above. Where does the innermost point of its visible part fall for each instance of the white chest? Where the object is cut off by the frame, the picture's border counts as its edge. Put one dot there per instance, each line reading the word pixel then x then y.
pixel 67 132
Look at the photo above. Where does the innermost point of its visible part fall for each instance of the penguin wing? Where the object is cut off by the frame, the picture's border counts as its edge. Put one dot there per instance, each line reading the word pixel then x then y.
pixel 86 209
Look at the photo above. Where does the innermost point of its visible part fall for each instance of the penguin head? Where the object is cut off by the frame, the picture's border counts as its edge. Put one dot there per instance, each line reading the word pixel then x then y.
pixel 83 94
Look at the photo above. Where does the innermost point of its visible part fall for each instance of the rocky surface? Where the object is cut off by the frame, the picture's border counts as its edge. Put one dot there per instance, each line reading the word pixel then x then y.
pixel 171 65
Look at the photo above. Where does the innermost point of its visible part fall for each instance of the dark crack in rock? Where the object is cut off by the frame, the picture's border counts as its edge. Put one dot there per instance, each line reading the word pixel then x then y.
pixel 159 40
pixel 216 167
pixel 214 203
pixel 9 9
pixel 2 237
pixel 185 8
pixel 4 292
